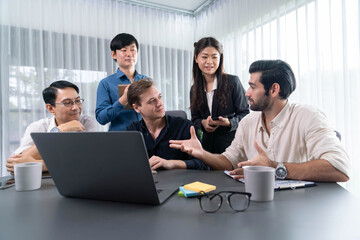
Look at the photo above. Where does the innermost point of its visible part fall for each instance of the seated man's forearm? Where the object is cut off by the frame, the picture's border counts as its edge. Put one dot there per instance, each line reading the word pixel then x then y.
pixel 196 164
pixel 316 170
pixel 32 155
pixel 216 161
pixel 177 164
pixel 32 152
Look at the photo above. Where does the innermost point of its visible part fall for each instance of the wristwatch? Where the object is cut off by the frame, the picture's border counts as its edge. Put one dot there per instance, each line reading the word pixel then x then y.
pixel 280 171
pixel 55 129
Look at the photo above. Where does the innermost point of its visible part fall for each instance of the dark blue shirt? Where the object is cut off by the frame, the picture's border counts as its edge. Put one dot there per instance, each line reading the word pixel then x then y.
pixel 176 129
pixel 108 107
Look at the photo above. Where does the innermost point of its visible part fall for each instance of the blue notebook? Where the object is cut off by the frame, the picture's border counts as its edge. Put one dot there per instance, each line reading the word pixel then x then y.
pixel 188 193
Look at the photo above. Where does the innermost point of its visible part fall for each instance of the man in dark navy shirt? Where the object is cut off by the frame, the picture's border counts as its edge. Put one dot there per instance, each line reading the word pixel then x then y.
pixel 158 128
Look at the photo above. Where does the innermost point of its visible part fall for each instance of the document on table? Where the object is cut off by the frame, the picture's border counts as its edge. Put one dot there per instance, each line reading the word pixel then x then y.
pixel 282 184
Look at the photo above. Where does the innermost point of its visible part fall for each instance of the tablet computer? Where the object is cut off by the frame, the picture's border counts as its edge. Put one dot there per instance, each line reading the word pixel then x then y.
pixel 7 181
pixel 224 116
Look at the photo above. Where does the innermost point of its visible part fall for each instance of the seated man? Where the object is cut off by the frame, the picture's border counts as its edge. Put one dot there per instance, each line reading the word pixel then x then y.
pixel 293 138
pixel 63 101
pixel 158 128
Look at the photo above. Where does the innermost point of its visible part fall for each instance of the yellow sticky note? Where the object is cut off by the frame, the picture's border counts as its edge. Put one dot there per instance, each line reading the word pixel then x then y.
pixel 199 186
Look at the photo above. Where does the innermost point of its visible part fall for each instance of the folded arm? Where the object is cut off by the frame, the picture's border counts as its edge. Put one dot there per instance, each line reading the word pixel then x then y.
pixel 107 110
pixel 32 154
pixel 29 155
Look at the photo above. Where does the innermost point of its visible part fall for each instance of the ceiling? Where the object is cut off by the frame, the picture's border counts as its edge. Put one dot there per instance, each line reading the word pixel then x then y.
pixel 182 6
pixel 190 5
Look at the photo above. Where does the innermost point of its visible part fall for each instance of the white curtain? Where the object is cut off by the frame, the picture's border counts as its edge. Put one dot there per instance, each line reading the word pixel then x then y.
pixel 319 39
pixel 46 40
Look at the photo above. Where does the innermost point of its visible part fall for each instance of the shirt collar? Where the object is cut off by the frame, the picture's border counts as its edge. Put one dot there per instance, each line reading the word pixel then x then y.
pixel 143 125
pixel 279 120
pixel 214 87
pixel 121 74
pixel 282 117
pixel 52 124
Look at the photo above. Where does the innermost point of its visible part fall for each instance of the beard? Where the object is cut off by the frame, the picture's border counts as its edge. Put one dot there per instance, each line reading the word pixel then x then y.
pixel 260 104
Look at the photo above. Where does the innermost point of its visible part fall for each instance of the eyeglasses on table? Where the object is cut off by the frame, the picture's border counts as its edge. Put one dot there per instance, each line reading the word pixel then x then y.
pixel 212 202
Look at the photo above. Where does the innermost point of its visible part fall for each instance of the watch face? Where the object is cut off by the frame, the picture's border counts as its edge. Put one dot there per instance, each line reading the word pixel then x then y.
pixel 280 173
pixel 54 129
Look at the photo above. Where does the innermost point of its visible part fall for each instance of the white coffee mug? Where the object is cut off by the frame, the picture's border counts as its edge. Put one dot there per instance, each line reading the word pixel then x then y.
pixel 260 181
pixel 28 176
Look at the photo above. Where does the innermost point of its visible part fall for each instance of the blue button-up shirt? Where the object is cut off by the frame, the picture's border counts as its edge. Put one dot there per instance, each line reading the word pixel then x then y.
pixel 176 128
pixel 108 107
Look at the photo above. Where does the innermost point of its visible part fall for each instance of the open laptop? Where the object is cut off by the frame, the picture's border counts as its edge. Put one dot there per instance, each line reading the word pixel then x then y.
pixel 110 166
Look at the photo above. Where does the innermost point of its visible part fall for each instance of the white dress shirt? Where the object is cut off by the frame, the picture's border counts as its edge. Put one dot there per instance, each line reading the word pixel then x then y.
pixel 46 124
pixel 299 133
pixel 210 95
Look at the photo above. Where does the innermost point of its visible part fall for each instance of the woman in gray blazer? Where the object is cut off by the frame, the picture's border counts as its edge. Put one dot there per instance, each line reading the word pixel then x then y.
pixel 218 101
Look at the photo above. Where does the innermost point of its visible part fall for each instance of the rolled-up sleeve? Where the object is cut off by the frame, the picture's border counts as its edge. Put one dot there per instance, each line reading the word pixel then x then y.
pixel 322 143
pixel 106 111
pixel 90 124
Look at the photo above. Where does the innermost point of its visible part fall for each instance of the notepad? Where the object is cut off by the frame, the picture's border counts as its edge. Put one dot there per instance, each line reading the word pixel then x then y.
pixel 186 192
pixel 199 186
pixel 121 88
pixel 282 184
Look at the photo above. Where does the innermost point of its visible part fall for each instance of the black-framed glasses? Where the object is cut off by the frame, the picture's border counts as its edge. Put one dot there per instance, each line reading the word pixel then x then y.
pixel 69 103
pixel 238 201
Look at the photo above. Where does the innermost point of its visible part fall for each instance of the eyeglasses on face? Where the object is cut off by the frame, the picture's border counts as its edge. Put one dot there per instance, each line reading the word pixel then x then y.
pixel 69 103
pixel 210 203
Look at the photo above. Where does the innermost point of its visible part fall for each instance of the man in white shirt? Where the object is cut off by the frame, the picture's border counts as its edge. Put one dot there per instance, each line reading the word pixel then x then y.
pixel 295 139
pixel 64 103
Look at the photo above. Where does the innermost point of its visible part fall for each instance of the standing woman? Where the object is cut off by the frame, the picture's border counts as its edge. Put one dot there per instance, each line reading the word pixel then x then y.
pixel 109 106
pixel 215 95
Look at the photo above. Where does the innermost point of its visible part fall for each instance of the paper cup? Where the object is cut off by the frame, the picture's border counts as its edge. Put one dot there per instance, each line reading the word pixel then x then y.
pixel 28 176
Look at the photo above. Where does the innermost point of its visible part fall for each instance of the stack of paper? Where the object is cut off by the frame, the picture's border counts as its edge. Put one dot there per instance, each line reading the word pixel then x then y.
pixel 282 184
pixel 186 193
pixel 193 189
pixel 199 186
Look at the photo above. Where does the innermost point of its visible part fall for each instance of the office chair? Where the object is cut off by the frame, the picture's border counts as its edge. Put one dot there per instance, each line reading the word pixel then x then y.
pixel 176 113
pixel 338 135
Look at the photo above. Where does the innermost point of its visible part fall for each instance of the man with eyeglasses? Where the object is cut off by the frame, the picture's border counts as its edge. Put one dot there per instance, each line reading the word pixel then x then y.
pixel 64 103
pixel 158 128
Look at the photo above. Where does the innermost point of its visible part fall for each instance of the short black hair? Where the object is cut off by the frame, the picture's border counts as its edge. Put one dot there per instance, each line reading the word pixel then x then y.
pixel 50 93
pixel 275 71
pixel 122 40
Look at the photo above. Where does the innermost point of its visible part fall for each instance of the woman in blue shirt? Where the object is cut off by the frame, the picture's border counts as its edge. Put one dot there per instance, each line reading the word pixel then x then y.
pixel 109 105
